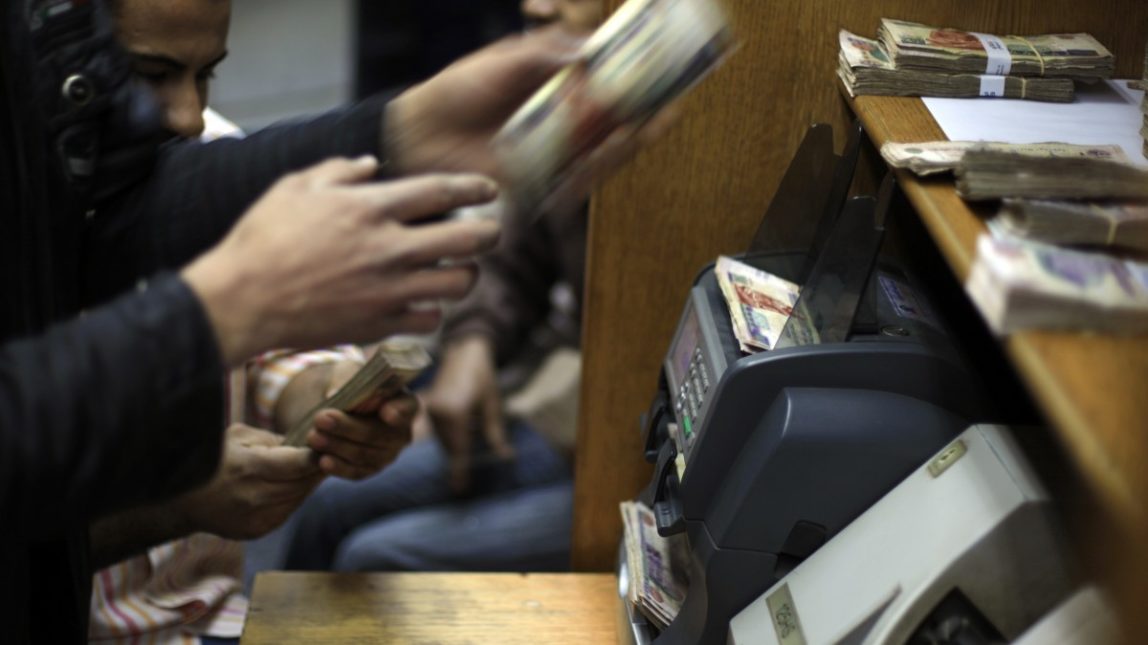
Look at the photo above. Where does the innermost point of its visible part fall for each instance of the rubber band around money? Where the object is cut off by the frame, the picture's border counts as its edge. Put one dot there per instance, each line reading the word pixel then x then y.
pixel 1039 58
pixel 1112 222
pixel 999 61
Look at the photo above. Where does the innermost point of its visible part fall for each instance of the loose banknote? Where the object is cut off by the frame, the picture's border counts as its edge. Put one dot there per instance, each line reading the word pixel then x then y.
pixel 865 68
pixel 1116 224
pixel 657 565
pixel 759 302
pixel 646 54
pixel 1076 56
pixel 394 364
pixel 1021 285
pixel 933 157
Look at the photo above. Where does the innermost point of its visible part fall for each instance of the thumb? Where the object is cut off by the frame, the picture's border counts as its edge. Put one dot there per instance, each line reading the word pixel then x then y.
pixel 283 464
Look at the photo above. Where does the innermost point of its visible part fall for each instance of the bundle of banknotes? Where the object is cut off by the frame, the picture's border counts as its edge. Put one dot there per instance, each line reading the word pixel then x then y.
pixel 911 59
pixel 645 55
pixel 934 157
pixel 657 565
pixel 993 174
pixel 393 365
pixel 759 302
pixel 915 46
pixel 1102 224
pixel 1143 85
pixel 864 67
pixel 1020 285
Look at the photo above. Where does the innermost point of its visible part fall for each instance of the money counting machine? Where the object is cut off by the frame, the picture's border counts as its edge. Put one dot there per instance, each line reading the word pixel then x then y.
pixel 761 458
pixel 966 550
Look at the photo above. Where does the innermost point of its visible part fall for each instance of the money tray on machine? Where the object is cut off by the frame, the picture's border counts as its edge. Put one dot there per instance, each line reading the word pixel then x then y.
pixel 783 448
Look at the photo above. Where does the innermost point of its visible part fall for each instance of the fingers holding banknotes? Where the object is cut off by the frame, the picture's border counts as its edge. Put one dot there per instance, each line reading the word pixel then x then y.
pixel 327 256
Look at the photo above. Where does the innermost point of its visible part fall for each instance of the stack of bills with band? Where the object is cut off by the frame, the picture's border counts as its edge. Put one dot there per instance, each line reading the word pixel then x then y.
pixel 915 46
pixel 759 302
pixel 1116 224
pixel 645 55
pixel 1023 285
pixel 658 566
pixel 933 157
pixel 394 364
pixel 990 174
pixel 864 67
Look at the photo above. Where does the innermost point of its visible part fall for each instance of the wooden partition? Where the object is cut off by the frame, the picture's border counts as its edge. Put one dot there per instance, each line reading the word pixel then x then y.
pixel 702 190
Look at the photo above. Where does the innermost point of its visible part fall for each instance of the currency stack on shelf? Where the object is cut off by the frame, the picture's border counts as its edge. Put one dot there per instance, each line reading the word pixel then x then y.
pixel 657 565
pixel 1144 104
pixel 393 365
pixel 759 302
pixel 1018 285
pixel 952 51
pixel 646 54
pixel 934 157
pixel 1115 224
pixel 865 68
pixel 990 174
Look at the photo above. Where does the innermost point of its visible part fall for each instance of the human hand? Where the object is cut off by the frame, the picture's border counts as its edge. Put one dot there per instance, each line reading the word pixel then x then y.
pixel 259 484
pixel 324 256
pixel 448 123
pixel 465 394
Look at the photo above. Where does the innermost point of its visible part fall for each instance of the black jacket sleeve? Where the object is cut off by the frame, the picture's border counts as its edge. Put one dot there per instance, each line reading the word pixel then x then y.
pixel 197 191
pixel 130 393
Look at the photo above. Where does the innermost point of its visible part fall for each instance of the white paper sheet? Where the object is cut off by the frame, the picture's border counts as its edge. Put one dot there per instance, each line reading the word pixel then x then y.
pixel 1104 113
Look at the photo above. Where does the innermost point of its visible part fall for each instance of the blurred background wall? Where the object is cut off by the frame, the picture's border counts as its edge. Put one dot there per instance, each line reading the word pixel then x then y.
pixel 294 57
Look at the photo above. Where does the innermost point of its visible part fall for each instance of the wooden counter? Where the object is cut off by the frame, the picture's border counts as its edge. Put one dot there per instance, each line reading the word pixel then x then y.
pixel 441 608
pixel 1093 388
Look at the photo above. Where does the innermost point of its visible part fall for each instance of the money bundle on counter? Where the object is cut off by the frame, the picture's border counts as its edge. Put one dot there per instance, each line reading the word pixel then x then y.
pixel 657 568
pixel 759 302
pixel 990 174
pixel 393 365
pixel 1119 224
pixel 932 157
pixel 865 68
pixel 1143 85
pixel 1021 285
pixel 645 55
pixel 921 47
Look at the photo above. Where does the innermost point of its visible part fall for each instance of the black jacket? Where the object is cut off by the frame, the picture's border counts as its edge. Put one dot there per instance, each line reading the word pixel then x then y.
pixel 121 405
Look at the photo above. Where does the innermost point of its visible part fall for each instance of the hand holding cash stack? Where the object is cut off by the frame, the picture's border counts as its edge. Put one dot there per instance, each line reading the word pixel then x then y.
pixel 648 53
pixel 393 365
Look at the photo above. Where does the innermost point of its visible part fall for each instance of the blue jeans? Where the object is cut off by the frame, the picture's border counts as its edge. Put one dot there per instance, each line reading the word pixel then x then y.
pixel 517 516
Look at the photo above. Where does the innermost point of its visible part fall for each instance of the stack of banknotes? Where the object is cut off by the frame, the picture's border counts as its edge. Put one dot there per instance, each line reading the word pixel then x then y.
pixel 910 59
pixel 394 364
pixel 645 55
pixel 1098 224
pixel 1143 85
pixel 1019 284
pixel 759 302
pixel 657 565
pixel 934 157
pixel 993 174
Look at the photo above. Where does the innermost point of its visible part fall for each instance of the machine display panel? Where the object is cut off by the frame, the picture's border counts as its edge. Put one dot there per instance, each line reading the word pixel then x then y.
pixel 684 347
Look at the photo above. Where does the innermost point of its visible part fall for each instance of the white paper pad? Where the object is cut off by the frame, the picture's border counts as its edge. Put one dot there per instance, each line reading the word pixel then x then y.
pixel 1103 113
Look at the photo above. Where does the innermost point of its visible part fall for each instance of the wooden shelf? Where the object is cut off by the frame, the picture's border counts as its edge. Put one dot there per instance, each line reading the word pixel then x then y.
pixel 1093 388
pixel 444 608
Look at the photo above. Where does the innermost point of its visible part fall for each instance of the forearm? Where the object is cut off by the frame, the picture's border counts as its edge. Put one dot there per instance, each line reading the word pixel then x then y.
pixel 131 533
pixel 119 408
pixel 196 192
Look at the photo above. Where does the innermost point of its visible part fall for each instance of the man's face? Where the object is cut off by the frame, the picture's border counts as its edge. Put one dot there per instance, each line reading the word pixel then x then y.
pixel 576 16
pixel 175 45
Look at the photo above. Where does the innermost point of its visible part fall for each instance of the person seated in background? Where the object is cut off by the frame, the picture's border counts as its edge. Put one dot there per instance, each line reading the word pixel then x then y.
pixel 487 494
pixel 191 587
